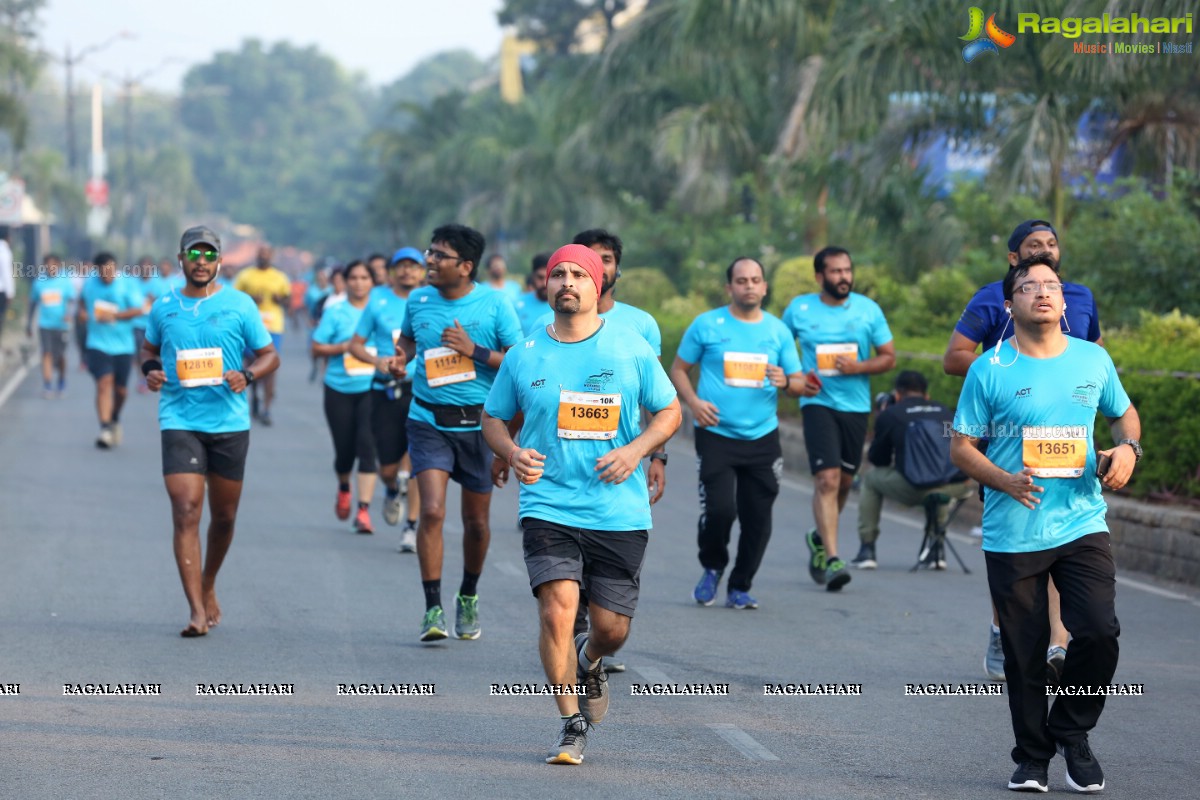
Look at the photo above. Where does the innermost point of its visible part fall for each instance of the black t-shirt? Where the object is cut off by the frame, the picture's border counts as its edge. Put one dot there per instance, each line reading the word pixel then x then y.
pixel 891 426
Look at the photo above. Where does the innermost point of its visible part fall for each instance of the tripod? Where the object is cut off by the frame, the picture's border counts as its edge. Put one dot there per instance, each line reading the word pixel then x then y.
pixel 932 554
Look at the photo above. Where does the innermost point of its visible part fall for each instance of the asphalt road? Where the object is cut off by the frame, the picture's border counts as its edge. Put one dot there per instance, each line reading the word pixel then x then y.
pixel 89 594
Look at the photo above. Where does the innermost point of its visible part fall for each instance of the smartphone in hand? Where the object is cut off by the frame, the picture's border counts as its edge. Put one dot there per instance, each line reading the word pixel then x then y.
pixel 1102 463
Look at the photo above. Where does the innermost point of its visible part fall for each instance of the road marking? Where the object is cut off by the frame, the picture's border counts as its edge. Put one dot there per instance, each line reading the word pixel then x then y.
pixel 1145 587
pixel 741 741
pixel 13 383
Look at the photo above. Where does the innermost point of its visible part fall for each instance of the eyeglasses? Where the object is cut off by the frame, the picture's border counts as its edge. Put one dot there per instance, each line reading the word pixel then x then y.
pixel 1053 287
pixel 209 254
pixel 438 256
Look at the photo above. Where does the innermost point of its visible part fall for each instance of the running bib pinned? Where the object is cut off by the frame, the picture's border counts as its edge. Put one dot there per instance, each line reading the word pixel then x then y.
pixel 588 415
pixel 444 366
pixel 355 368
pixel 51 297
pixel 105 311
pixel 746 370
pixel 1055 451
pixel 828 354
pixel 200 366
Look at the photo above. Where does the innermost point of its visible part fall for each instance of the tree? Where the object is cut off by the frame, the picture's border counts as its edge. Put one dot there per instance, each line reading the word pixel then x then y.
pixel 19 64
pixel 554 24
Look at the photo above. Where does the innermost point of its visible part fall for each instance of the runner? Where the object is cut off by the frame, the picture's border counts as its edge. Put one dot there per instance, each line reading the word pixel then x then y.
pixel 109 304
pixel 50 301
pixel 584 506
pixel 374 342
pixel 532 306
pixel 200 333
pixel 837 329
pixel 270 290
pixel 497 269
pixel 1036 397
pixel 348 396
pixel 460 330
pixel 378 264
pixel 745 355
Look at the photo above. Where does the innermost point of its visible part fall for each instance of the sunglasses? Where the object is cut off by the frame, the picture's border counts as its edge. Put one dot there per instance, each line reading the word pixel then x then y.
pixel 195 253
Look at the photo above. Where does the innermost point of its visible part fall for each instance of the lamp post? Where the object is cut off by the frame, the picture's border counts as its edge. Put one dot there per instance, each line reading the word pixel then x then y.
pixel 69 61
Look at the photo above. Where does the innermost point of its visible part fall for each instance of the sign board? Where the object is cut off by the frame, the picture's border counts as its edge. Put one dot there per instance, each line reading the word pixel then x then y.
pixel 96 192
pixel 12 197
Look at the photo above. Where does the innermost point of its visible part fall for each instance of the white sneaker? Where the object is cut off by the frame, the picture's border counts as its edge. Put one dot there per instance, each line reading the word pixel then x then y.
pixel 116 433
pixel 393 507
pixel 408 540
pixel 105 440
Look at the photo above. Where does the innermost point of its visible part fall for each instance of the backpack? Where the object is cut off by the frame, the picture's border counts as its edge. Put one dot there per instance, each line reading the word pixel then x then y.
pixel 927 455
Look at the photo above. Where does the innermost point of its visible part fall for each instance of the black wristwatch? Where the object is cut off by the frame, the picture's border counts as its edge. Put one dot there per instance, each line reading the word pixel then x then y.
pixel 659 457
pixel 249 376
pixel 1137 448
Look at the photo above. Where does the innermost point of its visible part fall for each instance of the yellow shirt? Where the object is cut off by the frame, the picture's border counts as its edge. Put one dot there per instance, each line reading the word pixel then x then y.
pixel 266 285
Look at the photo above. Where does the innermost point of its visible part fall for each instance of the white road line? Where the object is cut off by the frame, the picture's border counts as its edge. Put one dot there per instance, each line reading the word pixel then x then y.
pixel 652 674
pixel 1145 587
pixel 741 741
pixel 13 383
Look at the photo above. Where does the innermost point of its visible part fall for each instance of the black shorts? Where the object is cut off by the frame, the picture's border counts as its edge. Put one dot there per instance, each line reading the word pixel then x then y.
pixel 101 364
pixel 834 438
pixel 389 423
pixel 201 453
pixel 607 564
pixel 464 454
pixel 54 342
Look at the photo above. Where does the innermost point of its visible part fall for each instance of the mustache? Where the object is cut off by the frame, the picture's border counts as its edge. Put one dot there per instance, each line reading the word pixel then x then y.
pixel 566 293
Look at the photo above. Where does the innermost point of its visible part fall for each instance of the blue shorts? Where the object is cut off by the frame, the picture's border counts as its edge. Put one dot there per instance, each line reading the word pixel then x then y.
pixel 463 454
pixel 101 364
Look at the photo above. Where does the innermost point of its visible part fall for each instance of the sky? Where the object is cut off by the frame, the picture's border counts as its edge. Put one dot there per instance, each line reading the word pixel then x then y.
pixel 383 39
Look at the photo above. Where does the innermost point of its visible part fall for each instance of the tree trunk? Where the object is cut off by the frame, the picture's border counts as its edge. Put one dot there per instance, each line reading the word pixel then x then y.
pixel 792 143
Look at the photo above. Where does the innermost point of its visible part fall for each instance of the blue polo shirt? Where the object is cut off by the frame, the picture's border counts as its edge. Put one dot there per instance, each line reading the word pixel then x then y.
pixel 113 338
pixel 1041 413
pixel 571 392
pixel 54 297
pixel 984 320
pixel 733 356
pixel 345 373
pixel 824 332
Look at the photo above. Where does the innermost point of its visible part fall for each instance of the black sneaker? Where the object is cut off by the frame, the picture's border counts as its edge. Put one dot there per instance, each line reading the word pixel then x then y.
pixel 816 556
pixel 1030 777
pixel 865 558
pixel 1083 770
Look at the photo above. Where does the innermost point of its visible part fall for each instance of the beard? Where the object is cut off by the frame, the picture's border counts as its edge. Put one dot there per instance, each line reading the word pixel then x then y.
pixel 839 291
pixel 566 303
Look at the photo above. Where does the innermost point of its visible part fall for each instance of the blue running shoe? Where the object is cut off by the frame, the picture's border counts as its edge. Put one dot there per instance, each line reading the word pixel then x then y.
pixel 738 599
pixel 706 590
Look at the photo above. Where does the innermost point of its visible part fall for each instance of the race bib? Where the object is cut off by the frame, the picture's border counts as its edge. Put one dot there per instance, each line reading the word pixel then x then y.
pixel 269 318
pixel 105 311
pixel 1055 451
pixel 51 297
pixel 747 370
pixel 201 366
pixel 444 366
pixel 828 354
pixel 587 415
pixel 358 369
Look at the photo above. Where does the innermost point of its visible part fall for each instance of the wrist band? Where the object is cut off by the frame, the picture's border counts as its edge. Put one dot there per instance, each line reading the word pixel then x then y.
pixel 151 364
pixel 481 354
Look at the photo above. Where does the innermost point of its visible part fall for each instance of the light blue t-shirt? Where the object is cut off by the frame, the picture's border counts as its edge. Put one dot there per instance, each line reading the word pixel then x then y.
pixel 207 338
pixel 1052 402
pixel 114 338
pixel 314 293
pixel 511 290
pixel 626 316
pixel 825 332
pixel 577 385
pixel 380 324
pixel 733 356
pixel 457 380
pixel 345 373
pixel 152 289
pixel 54 297
pixel 530 311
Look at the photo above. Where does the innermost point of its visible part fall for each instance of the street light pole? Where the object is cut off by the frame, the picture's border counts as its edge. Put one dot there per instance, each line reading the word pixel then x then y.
pixel 69 62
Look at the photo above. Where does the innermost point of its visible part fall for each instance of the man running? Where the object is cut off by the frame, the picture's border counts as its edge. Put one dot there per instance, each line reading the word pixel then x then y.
pixel 458 331
pixel 270 290
pixel 109 304
pixel 746 356
pixel 837 329
pixel 194 347
pixel 50 301
pixel 497 270
pixel 584 506
pixel 1036 399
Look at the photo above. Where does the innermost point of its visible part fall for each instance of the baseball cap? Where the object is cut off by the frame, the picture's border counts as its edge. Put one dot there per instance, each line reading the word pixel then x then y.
pixel 199 235
pixel 410 253
pixel 1022 231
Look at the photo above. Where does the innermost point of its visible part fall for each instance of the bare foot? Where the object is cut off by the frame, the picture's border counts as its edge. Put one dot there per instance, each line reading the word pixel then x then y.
pixel 196 627
pixel 212 607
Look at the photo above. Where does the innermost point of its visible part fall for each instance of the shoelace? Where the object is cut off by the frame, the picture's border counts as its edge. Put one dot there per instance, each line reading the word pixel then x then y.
pixel 592 680
pixel 572 729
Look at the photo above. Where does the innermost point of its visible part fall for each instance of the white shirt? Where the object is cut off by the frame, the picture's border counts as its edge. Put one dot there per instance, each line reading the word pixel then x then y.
pixel 8 284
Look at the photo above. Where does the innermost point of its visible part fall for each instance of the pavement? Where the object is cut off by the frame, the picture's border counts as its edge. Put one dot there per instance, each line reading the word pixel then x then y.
pixel 89 594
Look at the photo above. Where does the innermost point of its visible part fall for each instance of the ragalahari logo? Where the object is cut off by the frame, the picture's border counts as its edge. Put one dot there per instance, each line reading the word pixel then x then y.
pixel 984 38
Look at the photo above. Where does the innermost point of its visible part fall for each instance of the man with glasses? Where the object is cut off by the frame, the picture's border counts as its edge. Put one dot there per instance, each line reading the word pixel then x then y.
pixel 457 331
pixel 271 290
pixel 375 342
pixel 193 354
pixel 1036 397
pixel 985 322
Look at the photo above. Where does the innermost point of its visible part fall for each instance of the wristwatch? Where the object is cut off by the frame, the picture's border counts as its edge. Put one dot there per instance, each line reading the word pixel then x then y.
pixel 249 376
pixel 1137 448
pixel 659 457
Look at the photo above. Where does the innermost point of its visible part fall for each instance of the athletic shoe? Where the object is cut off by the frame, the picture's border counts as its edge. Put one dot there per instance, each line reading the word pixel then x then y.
pixel 116 433
pixel 816 556
pixel 594 704
pixel 706 590
pixel 1056 657
pixel 265 418
pixel 105 440
pixel 836 575
pixel 393 507
pixel 362 521
pixel 739 600
pixel 1083 770
pixel 865 558
pixel 433 626
pixel 611 665
pixel 408 539
pixel 993 660
pixel 342 506
pixel 402 479
pixel 466 616
pixel 571 741
pixel 1030 777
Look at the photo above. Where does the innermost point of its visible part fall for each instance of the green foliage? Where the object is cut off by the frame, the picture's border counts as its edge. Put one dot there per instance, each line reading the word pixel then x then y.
pixel 645 287
pixel 552 23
